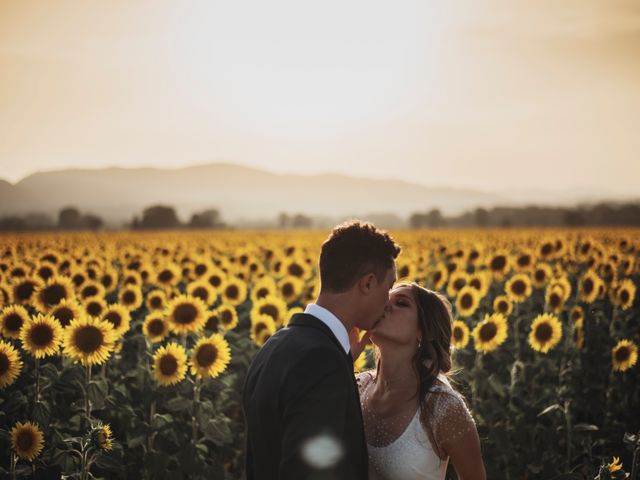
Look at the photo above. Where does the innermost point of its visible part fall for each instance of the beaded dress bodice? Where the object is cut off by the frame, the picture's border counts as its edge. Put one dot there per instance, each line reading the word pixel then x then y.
pixel 402 452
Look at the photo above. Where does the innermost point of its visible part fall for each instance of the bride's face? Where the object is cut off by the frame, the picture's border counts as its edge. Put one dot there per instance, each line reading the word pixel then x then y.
pixel 400 322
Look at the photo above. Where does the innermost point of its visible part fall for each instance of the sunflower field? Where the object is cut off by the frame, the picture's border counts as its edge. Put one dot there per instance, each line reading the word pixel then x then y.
pixel 122 355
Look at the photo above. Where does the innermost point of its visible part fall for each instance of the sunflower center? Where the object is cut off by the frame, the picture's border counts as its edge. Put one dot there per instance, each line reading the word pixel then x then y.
pixel 270 310
pixel 404 271
pixel 524 261
pixel 554 300
pixel 540 275
pixel 475 283
pixel 259 328
pixel 518 287
pixel 437 276
pixel 53 294
pixel 185 313
pixel 498 263
pixel 88 339
pixel 24 290
pixel 41 335
pixel 13 322
pixel 296 270
pixel 544 332
pixel 503 306
pixel 94 309
pixel 488 331
pixel 129 297
pixel 622 354
pixel 206 355
pixel 4 363
pixel 588 286
pixel 77 279
pixel 262 292
pixel 89 291
pixel 114 318
pixel 232 291
pixel 200 269
pixel 201 293
pixel 165 276
pixel 215 280
pixel 168 365
pixel 624 296
pixel 226 317
pixel 547 248
pixel 457 333
pixel 466 301
pixel 156 327
pixel 156 302
pixel 459 283
pixel 287 290
pixel 64 315
pixel 25 441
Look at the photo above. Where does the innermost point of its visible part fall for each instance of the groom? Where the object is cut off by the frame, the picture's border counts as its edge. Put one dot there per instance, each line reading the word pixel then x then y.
pixel 300 398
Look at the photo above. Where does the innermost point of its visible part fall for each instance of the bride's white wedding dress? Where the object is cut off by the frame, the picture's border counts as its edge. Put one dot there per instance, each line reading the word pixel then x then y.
pixel 415 453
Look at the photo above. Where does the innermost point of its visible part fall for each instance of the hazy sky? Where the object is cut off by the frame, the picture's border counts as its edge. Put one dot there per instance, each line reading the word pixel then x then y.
pixel 481 93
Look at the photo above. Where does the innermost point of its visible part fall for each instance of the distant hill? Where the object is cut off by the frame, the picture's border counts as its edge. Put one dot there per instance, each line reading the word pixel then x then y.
pixel 240 193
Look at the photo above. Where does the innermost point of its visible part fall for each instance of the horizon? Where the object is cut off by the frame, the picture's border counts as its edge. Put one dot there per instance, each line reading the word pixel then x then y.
pixel 534 96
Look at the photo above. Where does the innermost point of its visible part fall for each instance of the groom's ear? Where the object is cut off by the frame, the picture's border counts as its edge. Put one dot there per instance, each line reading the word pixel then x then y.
pixel 366 282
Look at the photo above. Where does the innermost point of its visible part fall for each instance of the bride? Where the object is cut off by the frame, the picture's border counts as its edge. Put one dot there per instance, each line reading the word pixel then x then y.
pixel 415 422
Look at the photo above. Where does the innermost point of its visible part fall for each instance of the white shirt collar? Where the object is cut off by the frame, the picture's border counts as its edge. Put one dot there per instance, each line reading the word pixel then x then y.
pixel 337 327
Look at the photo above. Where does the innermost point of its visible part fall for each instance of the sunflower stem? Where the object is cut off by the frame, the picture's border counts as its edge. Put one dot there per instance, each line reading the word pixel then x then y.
pixel 87 402
pixel 37 386
pixel 196 400
pixel 12 468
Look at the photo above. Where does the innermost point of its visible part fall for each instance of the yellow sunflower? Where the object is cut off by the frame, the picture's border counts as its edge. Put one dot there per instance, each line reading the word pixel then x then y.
pixel 203 290
pixel 624 355
pixel 91 288
pixel 481 281
pixel 262 327
pixel 155 327
pixel 615 465
pixel 94 306
pixel 438 277
pixel 186 314
pixel 66 311
pixel 290 288
pixel 467 301
pixel 41 336
pixel 27 440
pixel 499 264
pixel 130 297
pixel 216 278
pixel 228 316
pixel 502 304
pixel 290 313
pixel 56 289
pixel 625 294
pixel 541 274
pixel 262 288
pixel 457 280
pixel 89 341
pixel 233 291
pixel 589 286
pixel 554 298
pixel 360 363
pixel 518 287
pixel 168 275
pixel 210 356
pixel 578 334
pixel 460 333
pixel 102 437
pixel 524 261
pixel 170 364
pixel 273 306
pixel 296 268
pixel 490 332
pixel 546 332
pixel 10 364
pixel 22 290
pixel 119 317
pixel 12 318
pixel 156 300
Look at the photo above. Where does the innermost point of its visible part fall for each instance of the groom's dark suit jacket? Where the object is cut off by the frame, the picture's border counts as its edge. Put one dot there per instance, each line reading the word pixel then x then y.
pixel 300 391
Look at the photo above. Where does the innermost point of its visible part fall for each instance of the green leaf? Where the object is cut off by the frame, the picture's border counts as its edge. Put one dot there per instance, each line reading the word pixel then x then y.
pixel 160 421
pixel 218 432
pixel 584 427
pixel 178 404
pixel 550 409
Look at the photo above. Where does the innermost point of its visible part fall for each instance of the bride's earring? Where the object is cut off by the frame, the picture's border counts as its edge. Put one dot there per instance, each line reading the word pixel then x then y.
pixel 419 343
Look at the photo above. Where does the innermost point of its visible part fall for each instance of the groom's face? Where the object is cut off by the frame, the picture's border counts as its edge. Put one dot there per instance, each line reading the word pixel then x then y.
pixel 377 299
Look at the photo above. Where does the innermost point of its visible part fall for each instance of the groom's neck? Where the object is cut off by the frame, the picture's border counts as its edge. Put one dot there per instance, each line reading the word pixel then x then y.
pixel 338 304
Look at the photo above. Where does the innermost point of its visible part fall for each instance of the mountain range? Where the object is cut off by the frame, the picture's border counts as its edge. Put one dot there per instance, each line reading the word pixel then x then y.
pixel 246 193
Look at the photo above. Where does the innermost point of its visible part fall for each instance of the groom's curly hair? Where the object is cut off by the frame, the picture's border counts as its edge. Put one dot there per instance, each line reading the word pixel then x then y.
pixel 353 249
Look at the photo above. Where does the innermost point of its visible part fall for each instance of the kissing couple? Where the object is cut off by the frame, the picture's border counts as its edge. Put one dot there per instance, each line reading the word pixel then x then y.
pixel 308 417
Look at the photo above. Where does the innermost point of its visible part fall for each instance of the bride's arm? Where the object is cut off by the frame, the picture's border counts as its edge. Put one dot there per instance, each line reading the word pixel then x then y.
pixel 457 437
